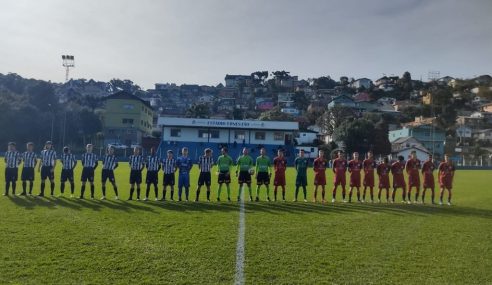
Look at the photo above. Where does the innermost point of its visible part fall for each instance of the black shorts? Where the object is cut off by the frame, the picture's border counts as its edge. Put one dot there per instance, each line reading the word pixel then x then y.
pixel 66 174
pixel 262 178
pixel 87 174
pixel 204 179
pixel 244 177
pixel 107 174
pixel 47 173
pixel 11 174
pixel 169 179
pixel 224 177
pixel 152 177
pixel 135 177
pixel 27 174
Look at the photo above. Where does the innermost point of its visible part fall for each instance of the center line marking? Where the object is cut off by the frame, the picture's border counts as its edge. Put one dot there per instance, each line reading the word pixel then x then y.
pixel 239 277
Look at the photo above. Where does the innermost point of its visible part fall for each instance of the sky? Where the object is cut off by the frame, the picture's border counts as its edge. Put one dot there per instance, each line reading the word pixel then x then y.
pixel 200 41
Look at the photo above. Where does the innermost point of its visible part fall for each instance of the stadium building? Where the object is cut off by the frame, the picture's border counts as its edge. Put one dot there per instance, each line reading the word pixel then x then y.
pixel 198 134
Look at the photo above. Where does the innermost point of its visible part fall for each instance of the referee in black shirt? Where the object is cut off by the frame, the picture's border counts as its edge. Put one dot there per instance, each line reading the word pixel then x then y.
pixel 89 162
pixel 12 161
pixel 205 163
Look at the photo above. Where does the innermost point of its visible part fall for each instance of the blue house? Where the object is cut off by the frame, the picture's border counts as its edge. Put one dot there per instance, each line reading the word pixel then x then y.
pixel 431 137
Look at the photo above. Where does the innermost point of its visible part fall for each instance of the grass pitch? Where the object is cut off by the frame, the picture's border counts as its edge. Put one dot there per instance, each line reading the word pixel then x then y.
pixel 63 240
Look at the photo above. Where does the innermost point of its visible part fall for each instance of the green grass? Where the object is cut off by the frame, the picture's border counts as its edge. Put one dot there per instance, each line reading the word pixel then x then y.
pixel 63 240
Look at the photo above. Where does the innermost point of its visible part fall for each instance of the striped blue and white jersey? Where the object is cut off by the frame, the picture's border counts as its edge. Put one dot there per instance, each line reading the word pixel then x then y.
pixel 89 160
pixel 48 157
pixel 12 159
pixel 137 162
pixel 110 162
pixel 169 165
pixel 29 158
pixel 153 163
pixel 68 161
pixel 205 163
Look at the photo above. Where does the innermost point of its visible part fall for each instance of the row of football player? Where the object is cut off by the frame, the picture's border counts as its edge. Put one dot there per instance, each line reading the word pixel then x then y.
pixel 246 167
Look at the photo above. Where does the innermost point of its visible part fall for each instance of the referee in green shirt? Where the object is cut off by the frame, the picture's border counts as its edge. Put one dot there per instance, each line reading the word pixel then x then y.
pixel 263 173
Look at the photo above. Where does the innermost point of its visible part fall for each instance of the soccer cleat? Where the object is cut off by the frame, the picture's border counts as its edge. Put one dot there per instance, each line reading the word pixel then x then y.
pixel 5 194
pixel 116 198
pixel 314 200
pixel 257 199
pixel 362 201
pixel 23 194
pixel 372 201
pixel 156 199
pixel 440 203
pixel 138 199
pixel 92 197
pixel 71 195
pixel 218 199
pixel 208 200
pixel 323 201
pixel 228 199
pixel 103 198
pixel 295 200
pixel 305 200
pixel 130 199
pixel 333 200
pixel 146 199
pixel 268 199
pixel 409 202
pixel 345 201
pixel 239 199
pixel 449 203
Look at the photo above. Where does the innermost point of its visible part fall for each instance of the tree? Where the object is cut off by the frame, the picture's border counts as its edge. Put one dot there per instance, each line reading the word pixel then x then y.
pixel 324 82
pixel 381 144
pixel 357 135
pixel 201 111
pixel 344 81
pixel 259 77
pixel 405 82
pixel 300 100
pixel 333 118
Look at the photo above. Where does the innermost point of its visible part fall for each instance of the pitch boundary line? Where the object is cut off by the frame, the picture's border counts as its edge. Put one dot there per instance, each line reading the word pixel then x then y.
pixel 239 276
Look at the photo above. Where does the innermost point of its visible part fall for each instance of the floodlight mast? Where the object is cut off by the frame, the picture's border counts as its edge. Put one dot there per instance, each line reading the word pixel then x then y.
pixel 68 61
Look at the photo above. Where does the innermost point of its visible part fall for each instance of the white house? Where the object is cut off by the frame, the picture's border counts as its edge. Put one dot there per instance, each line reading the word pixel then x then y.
pixel 361 82
pixel 306 137
pixel 422 153
pixel 484 135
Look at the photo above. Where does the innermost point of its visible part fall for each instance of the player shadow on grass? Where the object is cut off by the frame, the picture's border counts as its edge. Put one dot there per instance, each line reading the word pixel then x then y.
pixel 276 208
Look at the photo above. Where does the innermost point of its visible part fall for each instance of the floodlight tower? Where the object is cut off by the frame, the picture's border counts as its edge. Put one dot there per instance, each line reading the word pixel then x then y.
pixel 67 62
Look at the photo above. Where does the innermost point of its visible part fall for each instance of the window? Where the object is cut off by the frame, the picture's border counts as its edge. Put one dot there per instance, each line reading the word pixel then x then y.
pixel 175 133
pixel 128 106
pixel 278 136
pixel 260 136
pixel 239 135
pixel 127 121
pixel 214 134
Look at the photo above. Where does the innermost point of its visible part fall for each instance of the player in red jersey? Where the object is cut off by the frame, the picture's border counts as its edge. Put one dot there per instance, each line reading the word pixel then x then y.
pixel 412 167
pixel 397 169
pixel 319 167
pixel 279 167
pixel 428 174
pixel 383 171
pixel 369 165
pixel 355 167
pixel 339 168
pixel 446 175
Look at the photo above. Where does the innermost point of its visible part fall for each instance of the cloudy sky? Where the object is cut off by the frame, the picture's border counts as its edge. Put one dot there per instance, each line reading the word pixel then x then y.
pixel 199 41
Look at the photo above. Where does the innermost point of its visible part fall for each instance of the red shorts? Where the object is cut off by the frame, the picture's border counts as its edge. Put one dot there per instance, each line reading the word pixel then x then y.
pixel 355 180
pixel 399 181
pixel 339 180
pixel 413 180
pixel 320 179
pixel 429 181
pixel 384 182
pixel 369 180
pixel 279 179
pixel 446 182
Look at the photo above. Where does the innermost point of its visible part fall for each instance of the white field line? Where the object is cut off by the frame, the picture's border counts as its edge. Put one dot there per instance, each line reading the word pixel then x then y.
pixel 239 277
